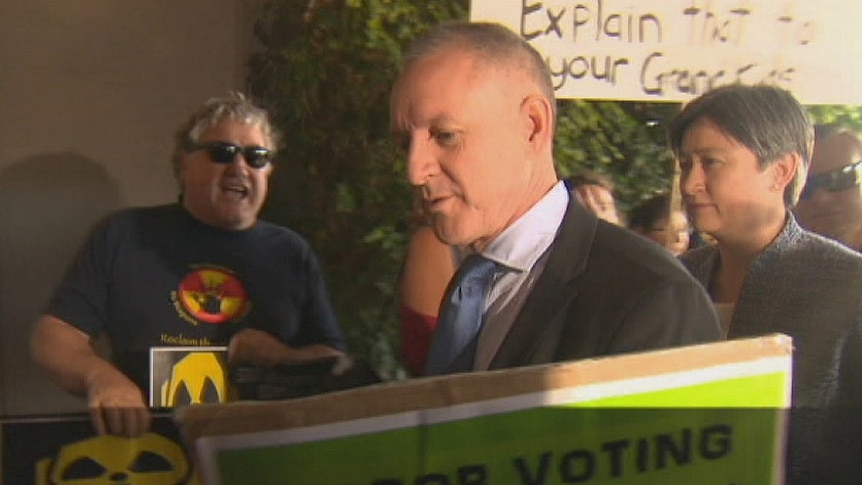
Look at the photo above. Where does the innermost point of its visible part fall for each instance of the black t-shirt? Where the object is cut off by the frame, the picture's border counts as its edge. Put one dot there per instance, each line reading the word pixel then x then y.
pixel 157 277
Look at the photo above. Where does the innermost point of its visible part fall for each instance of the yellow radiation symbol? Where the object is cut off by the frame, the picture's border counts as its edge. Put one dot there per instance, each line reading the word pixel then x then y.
pixel 150 459
pixel 199 377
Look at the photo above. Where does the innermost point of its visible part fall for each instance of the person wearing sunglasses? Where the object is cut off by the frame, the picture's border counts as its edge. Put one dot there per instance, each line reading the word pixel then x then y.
pixel 200 272
pixel 831 202
pixel 743 153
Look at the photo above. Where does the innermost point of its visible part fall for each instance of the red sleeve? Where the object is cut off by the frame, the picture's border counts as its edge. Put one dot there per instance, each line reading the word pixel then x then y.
pixel 416 331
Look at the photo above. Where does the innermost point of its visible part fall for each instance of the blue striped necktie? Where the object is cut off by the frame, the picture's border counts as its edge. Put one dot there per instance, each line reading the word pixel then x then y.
pixel 453 347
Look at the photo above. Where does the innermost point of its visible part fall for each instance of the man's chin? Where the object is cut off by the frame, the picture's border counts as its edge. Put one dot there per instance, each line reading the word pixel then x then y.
pixel 451 236
pixel 235 222
pixel 831 224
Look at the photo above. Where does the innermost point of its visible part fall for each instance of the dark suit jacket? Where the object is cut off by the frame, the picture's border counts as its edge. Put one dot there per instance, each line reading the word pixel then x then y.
pixel 606 290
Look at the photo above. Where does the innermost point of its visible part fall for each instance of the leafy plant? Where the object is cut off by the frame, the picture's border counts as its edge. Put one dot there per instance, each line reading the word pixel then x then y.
pixel 325 71
pixel 849 116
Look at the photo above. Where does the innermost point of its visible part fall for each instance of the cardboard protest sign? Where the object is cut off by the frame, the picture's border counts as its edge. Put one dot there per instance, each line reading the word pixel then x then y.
pixel 674 50
pixel 672 416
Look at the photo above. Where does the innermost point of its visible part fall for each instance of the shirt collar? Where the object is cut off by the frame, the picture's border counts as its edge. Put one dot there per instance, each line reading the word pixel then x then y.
pixel 522 243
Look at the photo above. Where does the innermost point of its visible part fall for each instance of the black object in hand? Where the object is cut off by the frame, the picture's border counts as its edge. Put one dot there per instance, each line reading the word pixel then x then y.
pixel 300 379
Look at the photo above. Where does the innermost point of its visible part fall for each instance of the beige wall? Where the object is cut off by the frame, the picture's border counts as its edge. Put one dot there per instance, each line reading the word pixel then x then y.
pixel 90 93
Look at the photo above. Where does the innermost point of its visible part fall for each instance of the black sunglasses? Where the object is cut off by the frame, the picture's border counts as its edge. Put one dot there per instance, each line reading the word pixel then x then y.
pixel 834 181
pixel 225 153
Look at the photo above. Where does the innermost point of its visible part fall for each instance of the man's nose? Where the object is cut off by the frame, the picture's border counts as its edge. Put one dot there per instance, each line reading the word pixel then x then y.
pixel 421 163
pixel 238 165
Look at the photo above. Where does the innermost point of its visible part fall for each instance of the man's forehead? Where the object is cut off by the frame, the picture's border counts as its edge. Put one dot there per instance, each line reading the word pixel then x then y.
pixel 421 102
pixel 409 113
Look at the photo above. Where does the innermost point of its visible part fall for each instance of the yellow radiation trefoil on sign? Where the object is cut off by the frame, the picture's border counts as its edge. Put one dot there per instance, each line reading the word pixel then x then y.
pixel 150 459
pixel 193 376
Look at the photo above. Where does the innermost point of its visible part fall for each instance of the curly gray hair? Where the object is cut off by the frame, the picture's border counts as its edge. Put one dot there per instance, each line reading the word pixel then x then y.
pixel 235 106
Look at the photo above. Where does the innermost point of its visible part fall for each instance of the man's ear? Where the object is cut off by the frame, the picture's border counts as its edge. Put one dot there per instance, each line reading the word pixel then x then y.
pixel 539 115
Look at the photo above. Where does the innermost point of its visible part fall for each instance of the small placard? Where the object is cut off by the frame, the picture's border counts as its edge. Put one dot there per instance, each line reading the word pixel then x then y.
pixel 188 375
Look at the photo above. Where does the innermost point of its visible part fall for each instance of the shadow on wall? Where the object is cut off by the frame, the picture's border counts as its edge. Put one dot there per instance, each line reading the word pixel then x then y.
pixel 48 203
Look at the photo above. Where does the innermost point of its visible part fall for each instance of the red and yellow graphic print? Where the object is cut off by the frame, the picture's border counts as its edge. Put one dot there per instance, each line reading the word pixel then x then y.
pixel 212 295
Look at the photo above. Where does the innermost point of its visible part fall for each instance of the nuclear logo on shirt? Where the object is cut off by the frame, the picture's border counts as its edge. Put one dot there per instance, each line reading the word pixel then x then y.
pixel 211 295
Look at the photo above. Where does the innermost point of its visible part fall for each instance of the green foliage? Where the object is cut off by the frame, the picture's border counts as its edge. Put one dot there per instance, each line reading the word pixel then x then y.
pixel 325 71
pixel 849 116
pixel 622 140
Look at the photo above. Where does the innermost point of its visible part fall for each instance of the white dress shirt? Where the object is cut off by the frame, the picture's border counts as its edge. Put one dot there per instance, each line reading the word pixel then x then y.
pixel 522 250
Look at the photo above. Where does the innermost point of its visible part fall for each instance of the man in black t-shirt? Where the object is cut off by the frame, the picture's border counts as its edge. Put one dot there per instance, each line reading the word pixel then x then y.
pixel 198 273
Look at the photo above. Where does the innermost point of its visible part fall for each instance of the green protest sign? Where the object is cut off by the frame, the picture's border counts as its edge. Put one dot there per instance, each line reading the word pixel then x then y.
pixel 716 424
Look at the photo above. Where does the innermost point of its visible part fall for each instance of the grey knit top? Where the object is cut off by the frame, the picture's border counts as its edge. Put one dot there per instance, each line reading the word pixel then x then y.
pixel 810 288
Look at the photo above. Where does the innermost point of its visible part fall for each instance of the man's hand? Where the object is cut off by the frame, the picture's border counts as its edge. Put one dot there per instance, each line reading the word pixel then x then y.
pixel 261 348
pixel 116 404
